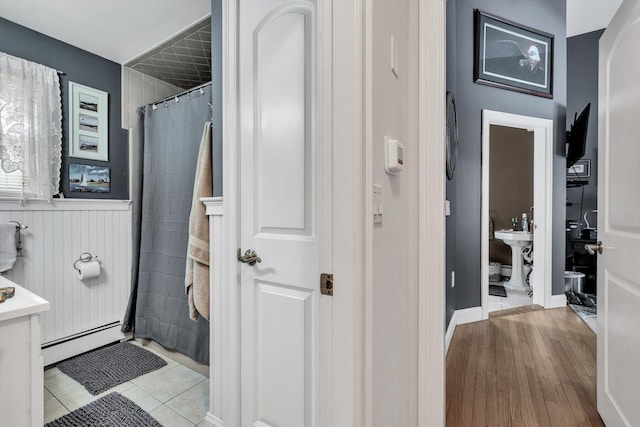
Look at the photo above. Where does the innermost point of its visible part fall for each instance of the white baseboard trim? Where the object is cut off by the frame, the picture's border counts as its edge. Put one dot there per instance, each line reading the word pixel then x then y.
pixel 558 301
pixel 74 347
pixel 213 420
pixel 469 315
pixel 460 317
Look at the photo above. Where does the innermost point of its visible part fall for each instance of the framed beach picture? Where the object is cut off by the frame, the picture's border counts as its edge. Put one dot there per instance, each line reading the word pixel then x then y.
pixel 88 123
pixel 511 56
pixel 89 178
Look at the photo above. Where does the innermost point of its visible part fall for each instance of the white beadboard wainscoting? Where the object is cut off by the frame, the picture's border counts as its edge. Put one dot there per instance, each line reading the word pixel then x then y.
pixel 84 314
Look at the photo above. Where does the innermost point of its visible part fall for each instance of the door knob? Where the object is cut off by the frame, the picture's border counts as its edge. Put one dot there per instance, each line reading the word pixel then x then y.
pixel 250 257
pixel 592 249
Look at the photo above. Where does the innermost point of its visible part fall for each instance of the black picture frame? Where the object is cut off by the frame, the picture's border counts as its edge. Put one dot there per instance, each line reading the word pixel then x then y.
pixel 512 56
pixel 580 170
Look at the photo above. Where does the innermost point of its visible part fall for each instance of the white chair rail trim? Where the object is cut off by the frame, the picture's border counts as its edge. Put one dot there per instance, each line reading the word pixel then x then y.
pixel 65 205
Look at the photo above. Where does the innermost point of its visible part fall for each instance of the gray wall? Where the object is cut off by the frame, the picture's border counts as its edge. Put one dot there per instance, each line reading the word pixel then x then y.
pixel 85 68
pixel 216 94
pixel 472 98
pixel 582 88
pixel 451 184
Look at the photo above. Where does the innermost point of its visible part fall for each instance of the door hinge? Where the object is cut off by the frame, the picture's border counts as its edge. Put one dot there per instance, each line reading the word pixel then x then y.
pixel 326 284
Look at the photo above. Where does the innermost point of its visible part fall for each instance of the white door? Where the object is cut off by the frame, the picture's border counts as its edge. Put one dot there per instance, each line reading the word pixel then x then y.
pixel 278 186
pixel 619 220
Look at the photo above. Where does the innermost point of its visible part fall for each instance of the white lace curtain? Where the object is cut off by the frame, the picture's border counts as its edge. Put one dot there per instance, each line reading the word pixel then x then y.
pixel 30 125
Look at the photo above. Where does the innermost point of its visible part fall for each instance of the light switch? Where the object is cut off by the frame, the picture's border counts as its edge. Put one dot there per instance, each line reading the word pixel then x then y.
pixel 378 209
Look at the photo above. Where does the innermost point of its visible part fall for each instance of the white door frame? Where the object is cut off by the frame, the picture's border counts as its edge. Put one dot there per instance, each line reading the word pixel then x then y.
pixel 431 212
pixel 542 196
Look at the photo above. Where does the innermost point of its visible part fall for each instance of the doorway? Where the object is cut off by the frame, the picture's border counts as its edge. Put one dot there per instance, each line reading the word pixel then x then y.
pixel 539 278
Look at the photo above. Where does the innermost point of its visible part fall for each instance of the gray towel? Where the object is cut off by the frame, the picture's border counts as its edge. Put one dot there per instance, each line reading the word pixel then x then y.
pixel 8 251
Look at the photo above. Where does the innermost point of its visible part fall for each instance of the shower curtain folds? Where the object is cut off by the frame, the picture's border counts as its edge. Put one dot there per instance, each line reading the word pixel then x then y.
pixel 166 156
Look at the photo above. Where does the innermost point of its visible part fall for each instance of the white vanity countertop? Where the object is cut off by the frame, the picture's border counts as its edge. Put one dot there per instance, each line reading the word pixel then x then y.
pixel 23 303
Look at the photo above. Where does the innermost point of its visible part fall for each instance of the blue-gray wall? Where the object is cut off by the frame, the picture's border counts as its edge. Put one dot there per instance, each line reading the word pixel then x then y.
pixel 85 68
pixel 545 15
pixel 216 94
pixel 582 88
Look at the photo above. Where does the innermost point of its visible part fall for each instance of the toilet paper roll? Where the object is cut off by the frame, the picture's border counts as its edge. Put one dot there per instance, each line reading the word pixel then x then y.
pixel 88 270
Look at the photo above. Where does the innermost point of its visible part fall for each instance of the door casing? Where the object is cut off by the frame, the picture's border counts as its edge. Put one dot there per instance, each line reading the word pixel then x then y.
pixel 543 201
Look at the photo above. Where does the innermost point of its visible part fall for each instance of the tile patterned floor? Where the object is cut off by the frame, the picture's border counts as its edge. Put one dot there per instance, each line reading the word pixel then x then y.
pixel 174 395
pixel 513 299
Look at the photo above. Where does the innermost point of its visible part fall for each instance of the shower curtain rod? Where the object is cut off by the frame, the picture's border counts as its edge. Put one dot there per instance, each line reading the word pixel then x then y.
pixel 193 89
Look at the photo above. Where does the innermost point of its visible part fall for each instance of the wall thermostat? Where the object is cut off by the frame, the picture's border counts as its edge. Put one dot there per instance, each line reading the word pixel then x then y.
pixel 394 156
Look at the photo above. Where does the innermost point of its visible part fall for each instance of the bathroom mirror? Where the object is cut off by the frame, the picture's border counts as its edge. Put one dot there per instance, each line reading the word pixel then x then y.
pixel 452 135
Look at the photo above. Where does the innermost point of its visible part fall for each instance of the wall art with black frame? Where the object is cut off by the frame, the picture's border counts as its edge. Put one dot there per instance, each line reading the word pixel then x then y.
pixel 511 56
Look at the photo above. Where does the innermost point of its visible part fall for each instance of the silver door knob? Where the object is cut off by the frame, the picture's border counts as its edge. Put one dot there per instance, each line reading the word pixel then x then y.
pixel 592 249
pixel 250 257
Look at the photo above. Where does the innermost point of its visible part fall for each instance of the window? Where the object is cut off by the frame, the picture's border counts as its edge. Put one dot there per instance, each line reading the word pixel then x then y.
pixel 30 129
pixel 12 184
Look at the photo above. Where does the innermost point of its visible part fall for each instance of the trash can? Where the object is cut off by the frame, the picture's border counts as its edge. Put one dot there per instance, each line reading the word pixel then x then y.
pixel 574 281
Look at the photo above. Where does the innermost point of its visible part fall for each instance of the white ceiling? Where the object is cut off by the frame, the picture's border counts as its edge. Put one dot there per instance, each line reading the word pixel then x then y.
pixel 584 16
pixel 119 30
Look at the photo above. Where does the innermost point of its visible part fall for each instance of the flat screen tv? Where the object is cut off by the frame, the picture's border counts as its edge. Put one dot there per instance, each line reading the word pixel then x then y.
pixel 577 137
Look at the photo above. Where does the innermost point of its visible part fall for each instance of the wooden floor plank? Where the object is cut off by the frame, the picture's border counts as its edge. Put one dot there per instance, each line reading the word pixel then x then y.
pixel 526 367
pixel 516 310
pixel 480 396
pixel 469 389
pixel 528 347
pixel 491 411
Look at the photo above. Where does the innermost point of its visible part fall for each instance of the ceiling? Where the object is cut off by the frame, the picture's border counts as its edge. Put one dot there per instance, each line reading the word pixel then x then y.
pixel 184 61
pixel 119 30
pixel 584 16
pixel 122 30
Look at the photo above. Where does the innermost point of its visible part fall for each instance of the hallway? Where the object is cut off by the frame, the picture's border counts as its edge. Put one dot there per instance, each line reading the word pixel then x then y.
pixel 526 367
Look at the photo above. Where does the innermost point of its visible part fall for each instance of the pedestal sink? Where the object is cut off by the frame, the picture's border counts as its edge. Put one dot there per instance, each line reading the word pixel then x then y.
pixel 518 240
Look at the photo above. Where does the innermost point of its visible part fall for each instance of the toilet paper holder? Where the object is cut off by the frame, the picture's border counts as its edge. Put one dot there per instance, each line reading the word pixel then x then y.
pixel 84 257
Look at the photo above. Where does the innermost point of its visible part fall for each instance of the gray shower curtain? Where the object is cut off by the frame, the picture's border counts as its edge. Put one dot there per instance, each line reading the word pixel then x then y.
pixel 167 151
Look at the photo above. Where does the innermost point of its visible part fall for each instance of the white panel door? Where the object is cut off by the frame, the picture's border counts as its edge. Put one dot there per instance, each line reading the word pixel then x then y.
pixel 278 166
pixel 619 220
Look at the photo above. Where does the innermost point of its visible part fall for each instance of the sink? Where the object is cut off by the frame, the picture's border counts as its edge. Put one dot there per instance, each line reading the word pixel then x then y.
pixel 518 240
pixel 515 236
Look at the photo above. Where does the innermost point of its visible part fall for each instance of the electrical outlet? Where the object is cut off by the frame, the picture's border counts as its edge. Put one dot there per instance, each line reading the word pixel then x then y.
pixel 453 279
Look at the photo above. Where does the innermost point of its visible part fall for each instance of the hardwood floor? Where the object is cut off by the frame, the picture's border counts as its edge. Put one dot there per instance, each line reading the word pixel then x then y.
pixel 533 368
